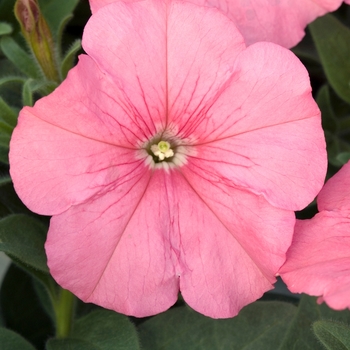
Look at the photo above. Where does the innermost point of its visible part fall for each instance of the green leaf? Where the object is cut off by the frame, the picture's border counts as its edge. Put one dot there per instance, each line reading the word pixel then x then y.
pixel 32 86
pixel 23 238
pixel 300 335
pixel 102 330
pixel 55 12
pixel 258 326
pixel 7 114
pixel 332 40
pixel 70 344
pixel 9 198
pixel 11 80
pixel 333 335
pixel 21 308
pixel 10 340
pixel 343 157
pixel 329 120
pixel 70 57
pixel 4 157
pixel 20 58
pixel 5 28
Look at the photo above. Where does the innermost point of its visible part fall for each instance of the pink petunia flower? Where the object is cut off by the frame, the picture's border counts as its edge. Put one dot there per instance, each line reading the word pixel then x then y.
pixel 278 21
pixel 171 158
pixel 318 262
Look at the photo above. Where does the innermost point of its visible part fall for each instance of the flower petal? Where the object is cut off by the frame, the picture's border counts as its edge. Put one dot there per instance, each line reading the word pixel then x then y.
pixel 68 146
pixel 97 4
pixel 264 132
pixel 283 163
pixel 232 244
pixel 282 22
pixel 318 261
pixel 133 55
pixel 200 61
pixel 115 251
pixel 336 192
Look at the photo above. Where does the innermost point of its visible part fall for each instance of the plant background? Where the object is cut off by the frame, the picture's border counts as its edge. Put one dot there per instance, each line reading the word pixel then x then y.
pixel 36 314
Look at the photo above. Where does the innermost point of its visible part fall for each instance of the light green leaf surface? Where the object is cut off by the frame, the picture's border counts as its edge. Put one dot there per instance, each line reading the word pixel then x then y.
pixel 333 335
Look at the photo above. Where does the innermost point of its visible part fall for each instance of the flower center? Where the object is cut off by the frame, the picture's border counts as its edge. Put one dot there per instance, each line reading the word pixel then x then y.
pixel 162 150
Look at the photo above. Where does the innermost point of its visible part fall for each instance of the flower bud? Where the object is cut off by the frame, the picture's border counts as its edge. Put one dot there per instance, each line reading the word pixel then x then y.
pixel 38 35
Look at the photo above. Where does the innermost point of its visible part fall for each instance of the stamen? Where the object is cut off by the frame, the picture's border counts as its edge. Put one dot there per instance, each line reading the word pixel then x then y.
pixel 162 150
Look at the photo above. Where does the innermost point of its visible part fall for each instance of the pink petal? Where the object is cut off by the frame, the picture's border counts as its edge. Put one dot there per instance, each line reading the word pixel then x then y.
pixel 133 55
pixel 97 4
pixel 68 147
pixel 268 138
pixel 198 72
pixel 318 262
pixel 166 233
pixel 116 250
pixel 233 243
pixel 192 63
pixel 282 22
pixel 336 192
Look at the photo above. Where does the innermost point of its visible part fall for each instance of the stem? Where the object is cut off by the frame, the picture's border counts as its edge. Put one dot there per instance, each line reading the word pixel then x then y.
pixel 64 311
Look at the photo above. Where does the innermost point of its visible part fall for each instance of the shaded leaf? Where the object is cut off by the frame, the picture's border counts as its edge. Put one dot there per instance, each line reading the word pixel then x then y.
pixel 56 12
pixel 70 58
pixel 10 340
pixel 103 330
pixel 7 114
pixel 23 238
pixel 70 344
pixel 9 198
pixel 21 308
pixel 332 39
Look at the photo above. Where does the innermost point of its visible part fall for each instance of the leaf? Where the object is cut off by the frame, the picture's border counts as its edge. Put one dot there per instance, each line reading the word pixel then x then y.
pixel 329 119
pixel 21 308
pixel 70 344
pixel 9 198
pixel 332 39
pixel 55 12
pixel 258 326
pixel 343 157
pixel 102 330
pixel 4 157
pixel 5 28
pixel 7 114
pixel 300 335
pixel 31 86
pixel 23 238
pixel 70 57
pixel 333 335
pixel 12 341
pixel 20 58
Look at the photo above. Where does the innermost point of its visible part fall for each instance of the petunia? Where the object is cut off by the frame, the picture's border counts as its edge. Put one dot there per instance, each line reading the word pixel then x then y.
pixel 171 158
pixel 279 21
pixel 318 262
